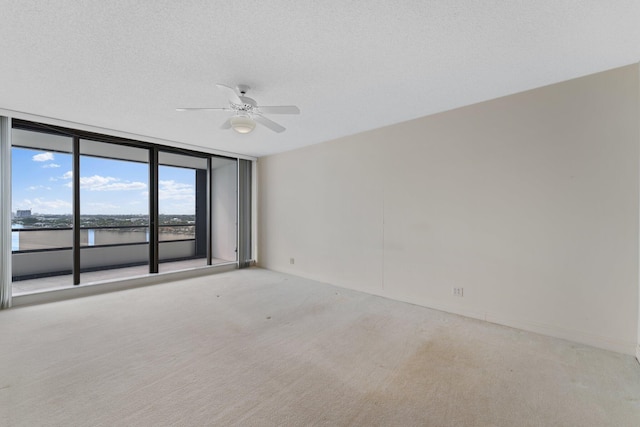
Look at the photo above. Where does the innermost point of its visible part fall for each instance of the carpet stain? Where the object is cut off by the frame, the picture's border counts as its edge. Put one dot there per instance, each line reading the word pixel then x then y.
pixel 436 385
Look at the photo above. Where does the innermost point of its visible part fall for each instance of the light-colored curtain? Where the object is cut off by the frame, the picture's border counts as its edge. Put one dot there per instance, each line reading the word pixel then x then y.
pixel 5 212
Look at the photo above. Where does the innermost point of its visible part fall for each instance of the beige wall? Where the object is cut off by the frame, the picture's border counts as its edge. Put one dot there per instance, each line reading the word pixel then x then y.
pixel 529 202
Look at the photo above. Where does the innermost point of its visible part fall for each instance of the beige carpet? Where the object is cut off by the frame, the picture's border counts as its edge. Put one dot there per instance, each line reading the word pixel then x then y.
pixel 257 348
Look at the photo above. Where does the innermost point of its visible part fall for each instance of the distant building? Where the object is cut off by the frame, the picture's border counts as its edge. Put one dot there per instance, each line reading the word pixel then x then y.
pixel 23 214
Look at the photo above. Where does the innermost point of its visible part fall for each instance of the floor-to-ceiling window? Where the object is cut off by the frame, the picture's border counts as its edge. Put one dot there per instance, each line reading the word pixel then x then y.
pixel 224 209
pixel 42 206
pixel 114 210
pixel 89 208
pixel 182 211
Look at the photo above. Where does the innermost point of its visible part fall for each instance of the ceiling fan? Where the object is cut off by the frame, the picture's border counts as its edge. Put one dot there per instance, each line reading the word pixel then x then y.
pixel 246 111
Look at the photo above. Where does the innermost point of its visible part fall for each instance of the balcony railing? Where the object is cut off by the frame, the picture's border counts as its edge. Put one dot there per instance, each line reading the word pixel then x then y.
pixel 60 238
pixel 39 252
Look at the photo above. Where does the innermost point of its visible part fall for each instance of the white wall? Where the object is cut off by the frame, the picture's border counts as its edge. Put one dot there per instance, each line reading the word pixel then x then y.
pixel 529 202
pixel 224 214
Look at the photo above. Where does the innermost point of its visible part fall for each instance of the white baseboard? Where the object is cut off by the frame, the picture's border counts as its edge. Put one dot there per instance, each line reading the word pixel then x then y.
pixel 606 343
pixel 594 340
pixel 581 337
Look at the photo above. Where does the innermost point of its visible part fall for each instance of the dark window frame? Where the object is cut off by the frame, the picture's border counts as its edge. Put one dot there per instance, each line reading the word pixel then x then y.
pixel 153 223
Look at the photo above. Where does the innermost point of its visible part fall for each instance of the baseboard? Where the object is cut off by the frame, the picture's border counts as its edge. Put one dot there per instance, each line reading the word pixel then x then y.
pixel 606 343
pixel 594 340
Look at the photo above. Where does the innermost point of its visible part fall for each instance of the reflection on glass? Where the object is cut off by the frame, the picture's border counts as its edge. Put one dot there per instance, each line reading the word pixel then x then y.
pixel 225 208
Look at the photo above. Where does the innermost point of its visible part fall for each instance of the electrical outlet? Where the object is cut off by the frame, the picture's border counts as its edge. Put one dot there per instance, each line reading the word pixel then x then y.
pixel 459 292
pixel 292 261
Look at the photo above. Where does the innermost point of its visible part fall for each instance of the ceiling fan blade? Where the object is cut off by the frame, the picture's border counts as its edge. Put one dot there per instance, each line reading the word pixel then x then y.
pixel 233 95
pixel 226 124
pixel 268 123
pixel 280 109
pixel 204 109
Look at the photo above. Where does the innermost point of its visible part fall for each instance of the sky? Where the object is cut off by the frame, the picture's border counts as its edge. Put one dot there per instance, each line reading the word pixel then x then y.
pixel 42 182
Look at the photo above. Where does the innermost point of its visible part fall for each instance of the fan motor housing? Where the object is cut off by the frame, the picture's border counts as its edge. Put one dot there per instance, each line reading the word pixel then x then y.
pixel 248 101
pixel 242 89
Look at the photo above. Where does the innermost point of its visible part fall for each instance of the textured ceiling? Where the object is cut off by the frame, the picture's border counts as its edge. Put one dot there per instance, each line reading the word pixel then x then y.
pixel 349 66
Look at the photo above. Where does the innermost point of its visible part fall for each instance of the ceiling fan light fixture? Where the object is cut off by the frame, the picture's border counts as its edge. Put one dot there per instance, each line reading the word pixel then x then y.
pixel 242 124
pixel 247 113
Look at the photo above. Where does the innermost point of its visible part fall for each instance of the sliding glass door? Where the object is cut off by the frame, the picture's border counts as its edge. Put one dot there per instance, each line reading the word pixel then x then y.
pixel 91 208
pixel 224 210
pixel 114 211
pixel 182 211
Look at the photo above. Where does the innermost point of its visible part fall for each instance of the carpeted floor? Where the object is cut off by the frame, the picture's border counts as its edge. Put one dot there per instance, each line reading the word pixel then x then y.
pixel 258 348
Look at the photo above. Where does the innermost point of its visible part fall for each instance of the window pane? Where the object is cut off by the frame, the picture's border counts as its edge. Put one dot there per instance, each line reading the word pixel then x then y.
pixel 41 212
pixel 225 207
pixel 182 226
pixel 113 202
pixel 114 211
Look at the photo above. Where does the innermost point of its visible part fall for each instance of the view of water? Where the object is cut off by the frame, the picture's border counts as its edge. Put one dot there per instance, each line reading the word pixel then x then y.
pixel 15 241
pixel 15 237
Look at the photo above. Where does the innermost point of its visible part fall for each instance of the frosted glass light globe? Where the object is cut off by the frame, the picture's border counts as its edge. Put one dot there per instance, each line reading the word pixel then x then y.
pixel 242 124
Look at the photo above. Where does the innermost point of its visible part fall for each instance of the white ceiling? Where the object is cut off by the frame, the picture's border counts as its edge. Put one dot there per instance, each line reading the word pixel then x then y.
pixel 349 65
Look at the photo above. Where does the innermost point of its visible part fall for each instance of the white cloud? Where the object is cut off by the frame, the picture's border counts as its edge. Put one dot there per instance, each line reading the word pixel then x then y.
pixel 38 187
pixel 67 175
pixel 122 186
pixel 171 190
pixel 168 190
pixel 42 157
pixel 41 205
pixel 96 180
pixel 51 165
pixel 108 183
